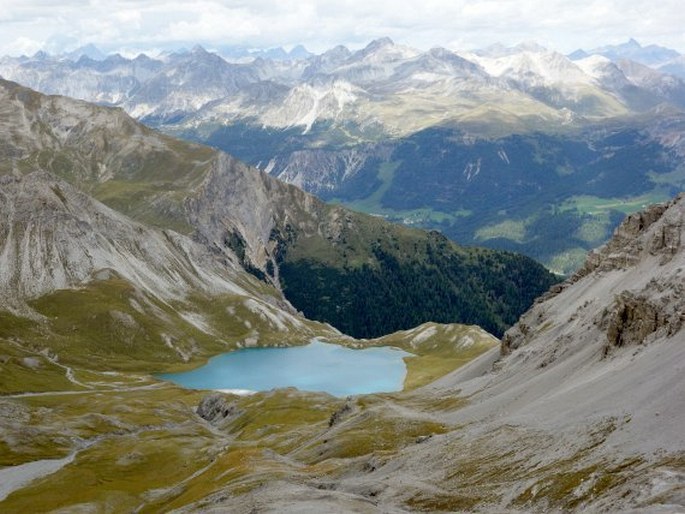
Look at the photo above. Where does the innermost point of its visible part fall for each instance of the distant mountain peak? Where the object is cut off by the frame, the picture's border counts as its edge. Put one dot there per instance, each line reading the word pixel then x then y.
pixel 90 51
pixel 530 46
pixel 380 42
pixel 143 58
pixel 299 52
pixel 651 55
pixel 84 60
pixel 116 58
pixel 385 49
pixel 440 52
pixel 40 55
pixel 377 44
pixel 198 49
pixel 578 55
pixel 338 50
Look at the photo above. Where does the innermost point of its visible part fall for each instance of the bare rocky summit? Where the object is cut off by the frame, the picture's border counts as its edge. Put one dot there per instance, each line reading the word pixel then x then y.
pixel 54 237
pixel 215 409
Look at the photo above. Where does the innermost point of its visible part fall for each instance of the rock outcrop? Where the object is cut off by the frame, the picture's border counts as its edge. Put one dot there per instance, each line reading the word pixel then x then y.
pixel 53 236
pixel 630 240
pixel 635 320
pixel 216 409
pixel 646 245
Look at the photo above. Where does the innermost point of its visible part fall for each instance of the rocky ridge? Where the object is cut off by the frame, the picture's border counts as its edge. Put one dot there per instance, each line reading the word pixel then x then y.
pixel 53 236
pixel 362 92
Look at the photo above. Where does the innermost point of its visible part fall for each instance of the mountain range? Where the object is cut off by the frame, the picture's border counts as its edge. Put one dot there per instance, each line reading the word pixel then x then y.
pixel 650 55
pixel 125 252
pixel 364 128
pixel 374 89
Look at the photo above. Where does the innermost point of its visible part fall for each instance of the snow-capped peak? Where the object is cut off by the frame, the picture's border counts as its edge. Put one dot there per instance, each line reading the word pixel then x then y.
pixel 537 67
pixel 383 50
pixel 594 65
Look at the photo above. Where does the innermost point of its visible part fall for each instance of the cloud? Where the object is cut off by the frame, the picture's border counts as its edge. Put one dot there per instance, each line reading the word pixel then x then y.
pixel 120 24
pixel 214 23
pixel 24 46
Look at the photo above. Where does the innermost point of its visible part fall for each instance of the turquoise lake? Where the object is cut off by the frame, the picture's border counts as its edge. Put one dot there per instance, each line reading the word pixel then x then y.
pixel 317 366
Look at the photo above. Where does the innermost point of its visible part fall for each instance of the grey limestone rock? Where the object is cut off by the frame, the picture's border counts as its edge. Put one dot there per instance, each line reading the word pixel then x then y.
pixel 216 408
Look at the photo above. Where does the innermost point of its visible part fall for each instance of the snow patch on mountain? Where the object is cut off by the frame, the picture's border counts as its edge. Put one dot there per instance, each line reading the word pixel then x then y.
pixel 594 65
pixel 534 68
pixel 306 104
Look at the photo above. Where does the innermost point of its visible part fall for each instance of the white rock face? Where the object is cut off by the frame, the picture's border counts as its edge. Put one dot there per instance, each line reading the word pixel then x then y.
pixel 535 68
pixel 55 237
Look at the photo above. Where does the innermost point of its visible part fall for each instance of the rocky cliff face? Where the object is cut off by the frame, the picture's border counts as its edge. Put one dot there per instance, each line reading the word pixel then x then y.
pixel 646 245
pixel 634 237
pixel 241 210
pixel 53 237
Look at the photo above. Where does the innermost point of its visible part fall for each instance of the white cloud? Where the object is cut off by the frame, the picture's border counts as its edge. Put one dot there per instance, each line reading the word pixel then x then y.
pixel 24 46
pixel 119 24
pixel 214 23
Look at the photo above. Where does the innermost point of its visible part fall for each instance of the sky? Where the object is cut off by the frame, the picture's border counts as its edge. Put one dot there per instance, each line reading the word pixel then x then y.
pixel 131 26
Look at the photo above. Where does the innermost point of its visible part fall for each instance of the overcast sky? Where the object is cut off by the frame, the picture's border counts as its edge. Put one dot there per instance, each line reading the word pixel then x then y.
pixel 27 26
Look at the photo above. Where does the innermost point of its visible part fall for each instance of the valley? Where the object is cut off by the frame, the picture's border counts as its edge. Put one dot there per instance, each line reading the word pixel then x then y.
pixel 131 252
pixel 523 193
